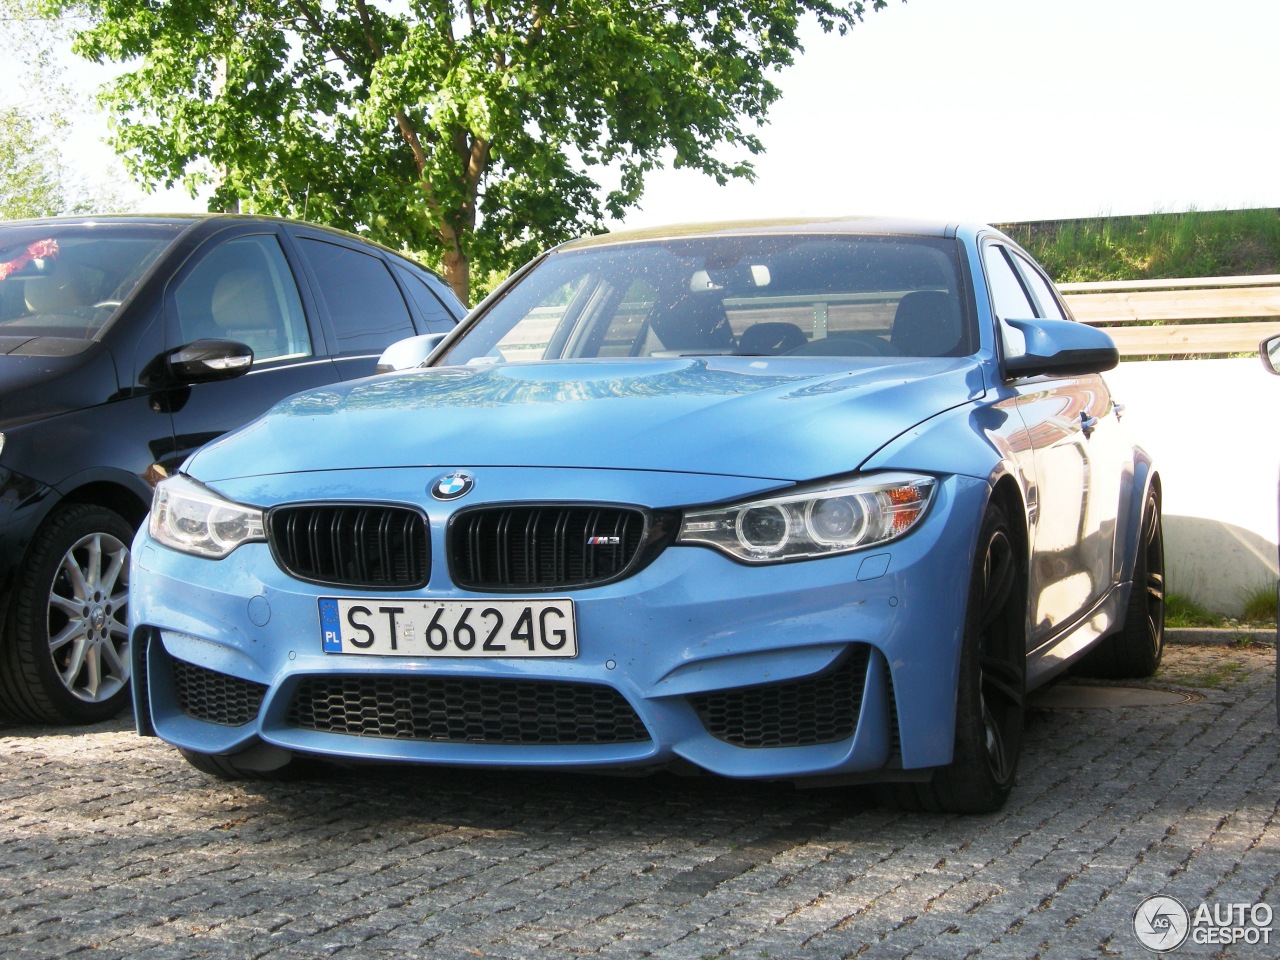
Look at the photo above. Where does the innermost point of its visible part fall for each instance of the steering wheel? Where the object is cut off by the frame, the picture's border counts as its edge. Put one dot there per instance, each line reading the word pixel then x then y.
pixel 846 345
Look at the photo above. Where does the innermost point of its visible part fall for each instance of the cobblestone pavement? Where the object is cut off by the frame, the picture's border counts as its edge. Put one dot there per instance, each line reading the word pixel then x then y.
pixel 111 846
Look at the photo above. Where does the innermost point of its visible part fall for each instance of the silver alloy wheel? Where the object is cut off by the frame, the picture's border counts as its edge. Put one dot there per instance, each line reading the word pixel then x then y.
pixel 88 607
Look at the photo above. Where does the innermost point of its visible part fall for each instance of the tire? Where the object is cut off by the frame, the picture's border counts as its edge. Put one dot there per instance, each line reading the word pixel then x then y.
pixel 992 685
pixel 64 658
pixel 1136 650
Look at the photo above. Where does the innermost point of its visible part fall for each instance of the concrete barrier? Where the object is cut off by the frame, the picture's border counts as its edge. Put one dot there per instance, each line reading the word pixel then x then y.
pixel 1213 427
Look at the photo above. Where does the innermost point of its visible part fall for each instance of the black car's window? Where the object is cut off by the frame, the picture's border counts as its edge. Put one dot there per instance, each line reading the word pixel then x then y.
pixel 752 295
pixel 439 319
pixel 244 290
pixel 66 280
pixel 365 305
pixel 1040 289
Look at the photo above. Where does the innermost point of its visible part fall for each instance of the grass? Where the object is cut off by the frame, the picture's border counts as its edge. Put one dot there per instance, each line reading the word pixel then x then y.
pixel 1158 246
pixel 1260 605
pixel 1259 609
pixel 1220 674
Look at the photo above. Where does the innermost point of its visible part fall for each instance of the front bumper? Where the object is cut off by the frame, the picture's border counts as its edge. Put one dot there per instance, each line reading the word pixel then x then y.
pixel 827 668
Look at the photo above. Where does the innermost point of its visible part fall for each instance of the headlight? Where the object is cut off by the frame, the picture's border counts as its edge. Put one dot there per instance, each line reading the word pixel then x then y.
pixel 815 523
pixel 193 519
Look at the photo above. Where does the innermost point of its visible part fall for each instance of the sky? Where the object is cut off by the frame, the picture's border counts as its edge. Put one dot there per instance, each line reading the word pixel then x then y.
pixel 987 110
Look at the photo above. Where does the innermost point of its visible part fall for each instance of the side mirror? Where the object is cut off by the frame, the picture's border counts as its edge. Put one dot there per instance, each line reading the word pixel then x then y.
pixel 1269 351
pixel 204 361
pixel 1061 348
pixel 408 353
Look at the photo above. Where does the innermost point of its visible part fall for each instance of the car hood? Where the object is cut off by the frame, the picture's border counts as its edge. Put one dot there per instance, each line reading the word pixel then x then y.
pixel 45 376
pixel 778 418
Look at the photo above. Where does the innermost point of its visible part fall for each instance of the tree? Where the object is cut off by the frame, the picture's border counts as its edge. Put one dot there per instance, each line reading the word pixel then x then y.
pixel 464 129
pixel 30 172
pixel 35 180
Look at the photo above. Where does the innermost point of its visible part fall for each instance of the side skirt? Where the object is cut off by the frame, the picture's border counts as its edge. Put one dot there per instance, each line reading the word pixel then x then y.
pixel 1058 652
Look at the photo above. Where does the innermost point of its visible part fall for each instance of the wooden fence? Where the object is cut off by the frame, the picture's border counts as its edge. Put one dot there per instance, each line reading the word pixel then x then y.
pixel 1181 319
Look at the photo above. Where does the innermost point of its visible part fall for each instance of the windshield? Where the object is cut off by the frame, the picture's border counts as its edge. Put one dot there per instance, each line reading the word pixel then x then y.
pixel 66 280
pixel 799 295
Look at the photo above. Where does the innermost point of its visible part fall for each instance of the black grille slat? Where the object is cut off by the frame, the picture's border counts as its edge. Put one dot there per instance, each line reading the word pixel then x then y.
pixel 215 697
pixel 358 545
pixel 543 547
pixel 466 710
pixel 795 713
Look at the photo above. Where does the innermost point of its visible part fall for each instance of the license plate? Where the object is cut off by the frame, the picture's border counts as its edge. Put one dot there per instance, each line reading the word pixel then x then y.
pixel 448 628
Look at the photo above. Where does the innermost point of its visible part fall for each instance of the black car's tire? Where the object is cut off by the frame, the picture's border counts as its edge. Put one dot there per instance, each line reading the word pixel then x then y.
pixel 228 768
pixel 991 695
pixel 1136 650
pixel 65 651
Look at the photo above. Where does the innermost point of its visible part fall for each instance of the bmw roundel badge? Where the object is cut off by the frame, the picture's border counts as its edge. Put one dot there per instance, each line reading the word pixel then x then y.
pixel 452 486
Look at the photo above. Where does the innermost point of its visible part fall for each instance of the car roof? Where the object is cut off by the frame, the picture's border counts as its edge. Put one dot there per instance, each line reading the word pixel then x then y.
pixel 875 226
pixel 179 219
pixel 211 222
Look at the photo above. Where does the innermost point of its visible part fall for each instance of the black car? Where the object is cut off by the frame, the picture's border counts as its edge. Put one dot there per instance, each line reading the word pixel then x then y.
pixel 122 344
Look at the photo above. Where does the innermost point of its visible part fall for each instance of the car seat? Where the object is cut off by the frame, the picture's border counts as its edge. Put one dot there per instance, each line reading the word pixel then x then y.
pixel 243 309
pixel 928 323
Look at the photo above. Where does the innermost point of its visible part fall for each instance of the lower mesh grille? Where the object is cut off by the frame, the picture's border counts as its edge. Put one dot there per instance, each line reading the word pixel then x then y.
pixel 216 697
pixel 797 713
pixel 466 710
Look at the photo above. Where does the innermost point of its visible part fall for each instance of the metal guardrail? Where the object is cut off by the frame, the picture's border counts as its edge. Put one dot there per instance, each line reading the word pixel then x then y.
pixel 1175 319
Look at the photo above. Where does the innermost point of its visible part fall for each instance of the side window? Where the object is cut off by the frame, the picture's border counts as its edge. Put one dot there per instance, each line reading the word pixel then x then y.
pixel 1040 290
pixel 1008 299
pixel 365 305
pixel 437 316
pixel 244 290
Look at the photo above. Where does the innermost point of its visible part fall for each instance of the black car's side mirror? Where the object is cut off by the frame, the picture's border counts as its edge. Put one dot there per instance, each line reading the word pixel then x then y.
pixel 1060 348
pixel 204 361
pixel 1269 351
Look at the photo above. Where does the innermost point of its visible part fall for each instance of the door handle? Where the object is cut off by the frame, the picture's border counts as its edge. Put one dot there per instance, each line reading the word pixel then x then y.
pixel 1088 424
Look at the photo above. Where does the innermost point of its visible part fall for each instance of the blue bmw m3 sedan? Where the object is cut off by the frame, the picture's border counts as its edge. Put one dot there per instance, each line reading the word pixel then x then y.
pixel 801 500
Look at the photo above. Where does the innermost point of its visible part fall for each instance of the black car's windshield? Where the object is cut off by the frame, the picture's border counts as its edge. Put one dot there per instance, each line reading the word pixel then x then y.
pixel 66 280
pixel 769 295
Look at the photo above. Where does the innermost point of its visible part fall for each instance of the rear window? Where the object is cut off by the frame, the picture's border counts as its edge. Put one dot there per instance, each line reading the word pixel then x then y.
pixel 855 296
pixel 68 280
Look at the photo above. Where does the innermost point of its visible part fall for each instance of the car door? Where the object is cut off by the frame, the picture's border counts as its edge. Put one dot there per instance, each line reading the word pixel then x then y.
pixel 364 307
pixel 241 286
pixel 1070 423
pixel 1108 450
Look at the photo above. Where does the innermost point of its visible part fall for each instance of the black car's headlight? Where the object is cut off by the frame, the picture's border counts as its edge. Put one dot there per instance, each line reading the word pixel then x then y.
pixel 817 522
pixel 193 519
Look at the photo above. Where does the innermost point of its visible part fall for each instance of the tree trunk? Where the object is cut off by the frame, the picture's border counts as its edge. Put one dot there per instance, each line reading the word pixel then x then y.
pixel 457 270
